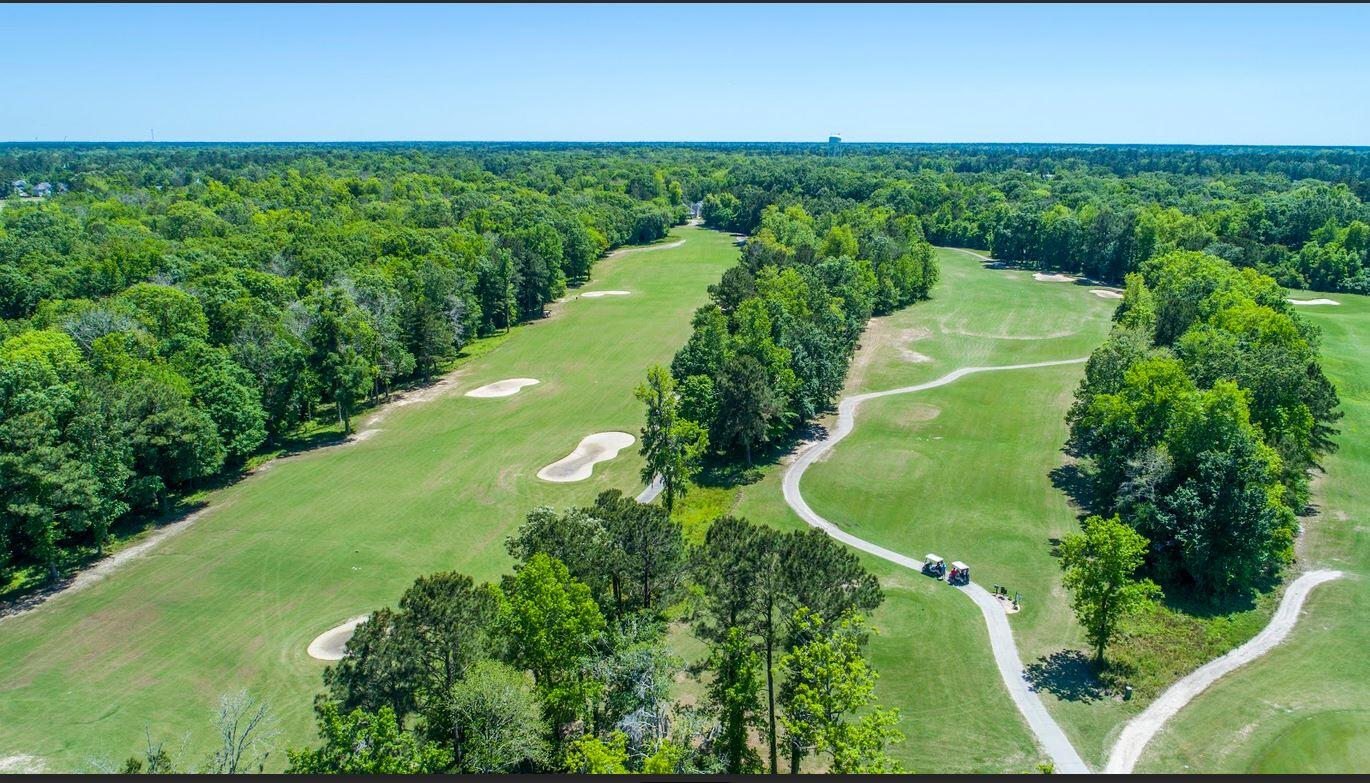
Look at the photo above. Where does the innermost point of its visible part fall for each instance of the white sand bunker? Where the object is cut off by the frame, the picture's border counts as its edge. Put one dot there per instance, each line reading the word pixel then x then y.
pixel 579 464
pixel 502 388
pixel 1042 277
pixel 1314 302
pixel 331 644
pixel 1104 293
pixel 595 294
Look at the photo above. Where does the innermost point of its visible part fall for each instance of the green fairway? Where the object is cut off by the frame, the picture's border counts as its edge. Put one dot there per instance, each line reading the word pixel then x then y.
pixel 1301 707
pixel 1325 743
pixel 961 470
pixel 233 601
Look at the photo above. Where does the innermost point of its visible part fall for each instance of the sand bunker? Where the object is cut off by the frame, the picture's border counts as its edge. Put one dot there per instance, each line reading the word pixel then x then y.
pixel 504 388
pixel 1045 278
pixel 1104 293
pixel 579 464
pixel 330 645
pixel 1314 302
pixel 594 294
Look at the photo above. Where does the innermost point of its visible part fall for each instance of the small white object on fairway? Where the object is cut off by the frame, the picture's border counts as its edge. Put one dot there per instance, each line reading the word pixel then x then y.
pixel 331 644
pixel 504 388
pixel 1314 302
pixel 579 464
pixel 596 294
pixel 1104 293
pixel 1042 277
pixel 1139 731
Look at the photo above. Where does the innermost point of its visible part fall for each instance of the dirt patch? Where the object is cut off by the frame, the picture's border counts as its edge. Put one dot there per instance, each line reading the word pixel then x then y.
pixel 882 336
pixel 21 764
pixel 435 390
pixel 630 250
pixel 904 340
pixel 504 388
pixel 580 463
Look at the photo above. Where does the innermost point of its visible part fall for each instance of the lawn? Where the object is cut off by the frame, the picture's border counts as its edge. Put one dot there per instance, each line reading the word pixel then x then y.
pixel 1303 707
pixel 297 548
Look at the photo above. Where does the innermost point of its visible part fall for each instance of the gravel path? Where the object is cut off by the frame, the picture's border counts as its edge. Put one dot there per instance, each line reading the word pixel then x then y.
pixel 1139 731
pixel 1049 734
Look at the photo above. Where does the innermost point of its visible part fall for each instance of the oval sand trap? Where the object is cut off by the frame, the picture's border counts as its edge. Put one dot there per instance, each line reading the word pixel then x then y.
pixel 1045 278
pixel 502 388
pixel 579 464
pixel 1104 293
pixel 590 294
pixel 1314 302
pixel 330 645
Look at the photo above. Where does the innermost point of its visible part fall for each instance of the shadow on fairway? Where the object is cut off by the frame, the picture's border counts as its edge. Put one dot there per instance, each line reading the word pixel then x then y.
pixel 1072 480
pixel 730 472
pixel 1067 674
pixel 34 587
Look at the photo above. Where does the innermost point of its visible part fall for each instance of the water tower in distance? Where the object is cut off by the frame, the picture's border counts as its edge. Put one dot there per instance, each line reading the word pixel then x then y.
pixel 835 144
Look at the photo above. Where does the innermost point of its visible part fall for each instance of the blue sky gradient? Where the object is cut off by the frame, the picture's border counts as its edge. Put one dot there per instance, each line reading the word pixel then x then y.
pixel 1297 74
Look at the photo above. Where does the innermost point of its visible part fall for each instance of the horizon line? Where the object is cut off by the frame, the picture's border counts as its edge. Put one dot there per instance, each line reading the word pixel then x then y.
pixel 821 142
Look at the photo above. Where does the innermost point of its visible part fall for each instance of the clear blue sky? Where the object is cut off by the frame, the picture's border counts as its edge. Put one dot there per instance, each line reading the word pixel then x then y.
pixel 1164 74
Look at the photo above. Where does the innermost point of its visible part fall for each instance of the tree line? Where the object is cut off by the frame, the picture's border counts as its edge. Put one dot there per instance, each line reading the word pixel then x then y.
pixel 771 349
pixel 1298 215
pixel 181 308
pixel 1197 424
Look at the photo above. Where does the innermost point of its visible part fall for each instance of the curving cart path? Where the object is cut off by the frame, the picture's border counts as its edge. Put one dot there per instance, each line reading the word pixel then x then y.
pixel 1139 731
pixel 1049 734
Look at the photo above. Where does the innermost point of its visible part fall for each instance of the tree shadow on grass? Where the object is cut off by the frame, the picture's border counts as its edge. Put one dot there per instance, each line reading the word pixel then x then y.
pixel 1071 479
pixel 1069 675
pixel 730 471
pixel 35 588
pixel 1195 602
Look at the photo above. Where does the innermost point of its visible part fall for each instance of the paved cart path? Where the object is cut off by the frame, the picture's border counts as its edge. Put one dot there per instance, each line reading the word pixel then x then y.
pixel 1139 731
pixel 1049 733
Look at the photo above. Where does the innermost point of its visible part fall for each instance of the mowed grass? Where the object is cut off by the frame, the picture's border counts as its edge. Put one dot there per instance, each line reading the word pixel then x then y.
pixel 233 601
pixel 1303 706
pixel 961 470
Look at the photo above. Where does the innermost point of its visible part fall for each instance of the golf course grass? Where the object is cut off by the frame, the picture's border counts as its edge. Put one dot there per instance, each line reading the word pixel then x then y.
pixel 1302 707
pixel 294 550
pixel 961 470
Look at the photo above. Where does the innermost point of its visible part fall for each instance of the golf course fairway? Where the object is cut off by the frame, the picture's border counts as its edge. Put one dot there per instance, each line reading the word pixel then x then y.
pixel 961 470
pixel 234 601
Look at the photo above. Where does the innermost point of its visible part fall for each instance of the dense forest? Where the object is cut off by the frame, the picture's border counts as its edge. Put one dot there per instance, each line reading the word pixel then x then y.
pixel 1201 418
pixel 172 310
pixel 771 350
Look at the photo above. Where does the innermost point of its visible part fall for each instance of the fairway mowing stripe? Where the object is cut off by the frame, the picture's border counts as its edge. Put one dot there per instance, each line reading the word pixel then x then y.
pixel 1139 731
pixel 1049 733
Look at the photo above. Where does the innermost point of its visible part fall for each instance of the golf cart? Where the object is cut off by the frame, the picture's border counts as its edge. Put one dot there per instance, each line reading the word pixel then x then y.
pixel 960 573
pixel 934 566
